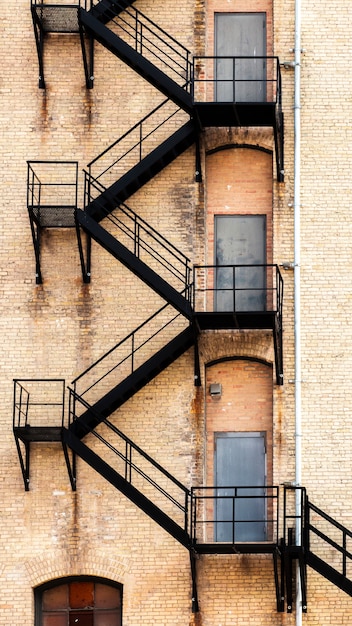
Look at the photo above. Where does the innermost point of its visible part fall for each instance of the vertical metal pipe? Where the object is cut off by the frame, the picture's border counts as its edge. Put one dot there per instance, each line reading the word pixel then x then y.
pixel 297 292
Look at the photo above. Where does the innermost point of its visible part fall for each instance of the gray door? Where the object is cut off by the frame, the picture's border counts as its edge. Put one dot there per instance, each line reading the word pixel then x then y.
pixel 240 240
pixel 240 462
pixel 240 35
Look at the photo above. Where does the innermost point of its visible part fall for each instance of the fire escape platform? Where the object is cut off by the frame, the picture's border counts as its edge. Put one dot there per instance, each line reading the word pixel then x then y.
pixel 256 320
pixel 265 547
pixel 248 114
pixel 38 433
pixel 56 18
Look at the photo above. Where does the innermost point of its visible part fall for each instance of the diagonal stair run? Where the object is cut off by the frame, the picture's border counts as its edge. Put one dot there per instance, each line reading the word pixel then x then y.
pixel 325 536
pixel 94 414
pixel 143 172
pixel 138 62
pixel 105 10
pixel 135 264
pixel 125 486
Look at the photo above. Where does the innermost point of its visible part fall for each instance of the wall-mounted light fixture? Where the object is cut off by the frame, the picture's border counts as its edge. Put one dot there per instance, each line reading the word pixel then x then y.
pixel 215 390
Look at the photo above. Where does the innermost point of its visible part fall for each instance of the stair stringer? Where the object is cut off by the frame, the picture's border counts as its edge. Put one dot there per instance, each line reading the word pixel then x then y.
pixel 136 61
pixel 105 8
pixel 331 574
pixel 143 172
pixel 120 483
pixel 124 390
pixel 134 264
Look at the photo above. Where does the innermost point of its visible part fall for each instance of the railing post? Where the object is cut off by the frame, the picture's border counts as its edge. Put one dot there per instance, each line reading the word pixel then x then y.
pixel 140 140
pixel 63 404
pixel 132 353
pixel 76 194
pixel 234 286
pixel 234 79
pixel 344 558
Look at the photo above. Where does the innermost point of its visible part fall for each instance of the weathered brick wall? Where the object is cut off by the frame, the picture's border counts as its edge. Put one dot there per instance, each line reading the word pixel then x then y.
pixel 59 328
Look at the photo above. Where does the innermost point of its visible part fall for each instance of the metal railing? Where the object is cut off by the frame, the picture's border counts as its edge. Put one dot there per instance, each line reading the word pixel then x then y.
pixel 238 288
pixel 236 79
pixel 134 145
pixel 328 540
pixel 153 42
pixel 38 402
pixel 84 4
pixel 294 513
pixel 125 357
pixel 139 469
pixel 52 192
pixel 149 246
pixel 235 514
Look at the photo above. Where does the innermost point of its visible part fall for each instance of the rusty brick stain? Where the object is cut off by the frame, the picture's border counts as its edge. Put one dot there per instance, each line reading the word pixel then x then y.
pixel 196 619
pixel 197 413
pixel 88 108
pixel 39 300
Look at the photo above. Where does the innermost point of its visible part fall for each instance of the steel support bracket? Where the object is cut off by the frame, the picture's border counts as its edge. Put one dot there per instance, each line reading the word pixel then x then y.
pixel 279 581
pixel 197 376
pixel 84 255
pixel 35 230
pixel 279 145
pixel 24 460
pixel 193 557
pixel 278 350
pixel 39 41
pixel 70 464
pixel 87 45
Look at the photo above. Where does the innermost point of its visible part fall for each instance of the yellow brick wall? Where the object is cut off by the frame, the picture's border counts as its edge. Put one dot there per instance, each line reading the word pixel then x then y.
pixel 59 328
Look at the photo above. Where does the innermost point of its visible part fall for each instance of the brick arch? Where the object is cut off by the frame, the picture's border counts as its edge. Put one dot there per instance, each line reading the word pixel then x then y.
pixel 54 566
pixel 238 358
pixel 237 146
pixel 230 137
pixel 236 344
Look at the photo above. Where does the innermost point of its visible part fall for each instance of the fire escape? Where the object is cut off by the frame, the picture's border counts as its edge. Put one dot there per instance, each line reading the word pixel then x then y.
pixel 187 83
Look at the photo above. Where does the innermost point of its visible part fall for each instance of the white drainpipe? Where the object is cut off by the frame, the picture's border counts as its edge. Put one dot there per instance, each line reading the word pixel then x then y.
pixel 297 288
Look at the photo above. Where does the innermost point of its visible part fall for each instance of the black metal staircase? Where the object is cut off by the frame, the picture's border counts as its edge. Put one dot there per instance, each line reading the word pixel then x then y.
pixel 172 330
pixel 128 367
pixel 103 198
pixel 308 535
pixel 145 48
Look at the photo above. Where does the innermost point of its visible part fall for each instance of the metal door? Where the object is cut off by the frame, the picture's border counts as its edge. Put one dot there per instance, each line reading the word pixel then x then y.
pixel 240 462
pixel 240 35
pixel 240 240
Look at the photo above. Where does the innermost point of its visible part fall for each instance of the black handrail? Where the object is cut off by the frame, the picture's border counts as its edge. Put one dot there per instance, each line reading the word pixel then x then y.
pixel 132 467
pixel 153 42
pixel 205 282
pixel 136 137
pixel 339 547
pixel 39 185
pixel 129 348
pixel 205 79
pixel 28 393
pixel 205 498
pixel 145 242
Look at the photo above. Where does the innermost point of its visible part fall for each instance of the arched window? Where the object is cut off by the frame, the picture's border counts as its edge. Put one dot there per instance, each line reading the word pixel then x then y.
pixel 82 601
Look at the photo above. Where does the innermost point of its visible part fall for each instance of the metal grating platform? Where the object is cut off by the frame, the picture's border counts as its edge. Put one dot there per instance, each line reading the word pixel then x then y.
pixel 57 18
pixel 54 217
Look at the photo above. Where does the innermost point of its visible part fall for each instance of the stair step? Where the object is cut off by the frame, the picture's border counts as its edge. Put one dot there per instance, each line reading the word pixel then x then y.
pixel 105 10
pixel 133 383
pixel 143 172
pixel 136 61
pixel 134 264
pixel 125 487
